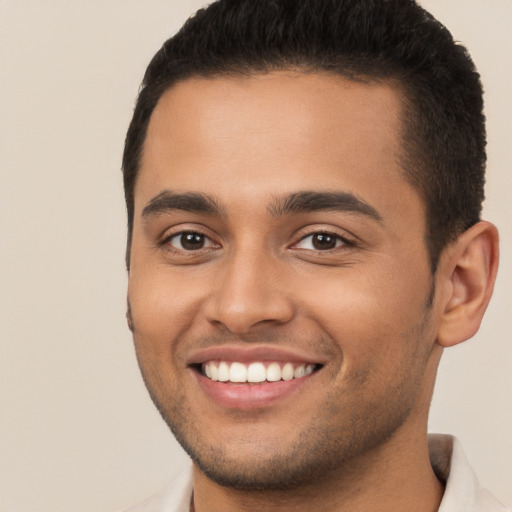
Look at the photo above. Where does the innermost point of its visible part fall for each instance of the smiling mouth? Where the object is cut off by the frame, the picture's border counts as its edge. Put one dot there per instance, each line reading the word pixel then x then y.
pixel 256 372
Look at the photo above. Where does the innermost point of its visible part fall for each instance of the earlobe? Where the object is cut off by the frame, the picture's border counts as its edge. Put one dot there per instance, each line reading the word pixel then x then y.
pixel 467 273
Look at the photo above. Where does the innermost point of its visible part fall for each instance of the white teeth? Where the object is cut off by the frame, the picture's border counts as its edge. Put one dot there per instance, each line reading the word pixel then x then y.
pixel 223 372
pixel 214 370
pixel 255 372
pixel 238 372
pixel 287 371
pixel 273 372
pixel 299 372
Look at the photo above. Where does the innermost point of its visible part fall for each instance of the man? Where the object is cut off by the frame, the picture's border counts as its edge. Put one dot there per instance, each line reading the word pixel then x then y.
pixel 304 183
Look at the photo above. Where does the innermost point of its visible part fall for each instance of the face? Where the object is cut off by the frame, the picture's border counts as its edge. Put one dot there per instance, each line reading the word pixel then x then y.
pixel 279 282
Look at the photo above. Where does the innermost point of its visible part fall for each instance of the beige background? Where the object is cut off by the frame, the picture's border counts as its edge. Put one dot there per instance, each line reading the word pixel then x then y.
pixel 77 430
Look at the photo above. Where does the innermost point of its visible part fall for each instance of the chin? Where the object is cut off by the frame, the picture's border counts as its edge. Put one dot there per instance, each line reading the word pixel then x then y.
pixel 284 462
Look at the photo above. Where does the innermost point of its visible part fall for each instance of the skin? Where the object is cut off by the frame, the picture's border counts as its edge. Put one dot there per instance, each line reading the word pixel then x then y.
pixel 369 311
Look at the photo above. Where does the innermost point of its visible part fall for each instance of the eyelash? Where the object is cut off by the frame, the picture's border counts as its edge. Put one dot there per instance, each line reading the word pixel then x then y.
pixel 340 241
pixel 193 233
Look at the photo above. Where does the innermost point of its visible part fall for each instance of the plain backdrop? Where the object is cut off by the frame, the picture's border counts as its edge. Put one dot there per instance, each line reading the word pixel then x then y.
pixel 78 432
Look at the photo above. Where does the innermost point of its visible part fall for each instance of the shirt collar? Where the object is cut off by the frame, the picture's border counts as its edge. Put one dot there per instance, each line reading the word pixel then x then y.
pixel 462 492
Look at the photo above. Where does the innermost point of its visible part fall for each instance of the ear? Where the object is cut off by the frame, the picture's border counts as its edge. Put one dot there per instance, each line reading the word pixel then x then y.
pixel 466 274
pixel 129 318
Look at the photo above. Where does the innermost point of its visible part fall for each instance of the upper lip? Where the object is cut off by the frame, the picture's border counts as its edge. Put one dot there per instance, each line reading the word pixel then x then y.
pixel 252 354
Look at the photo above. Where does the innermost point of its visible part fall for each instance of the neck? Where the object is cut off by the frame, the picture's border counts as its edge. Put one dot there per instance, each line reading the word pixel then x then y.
pixel 395 477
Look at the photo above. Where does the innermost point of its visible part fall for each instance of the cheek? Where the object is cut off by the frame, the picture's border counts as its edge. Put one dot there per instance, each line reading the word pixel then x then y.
pixel 162 307
pixel 369 314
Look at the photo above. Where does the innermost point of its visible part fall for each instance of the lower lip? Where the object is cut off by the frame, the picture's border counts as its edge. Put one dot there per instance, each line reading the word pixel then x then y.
pixel 249 396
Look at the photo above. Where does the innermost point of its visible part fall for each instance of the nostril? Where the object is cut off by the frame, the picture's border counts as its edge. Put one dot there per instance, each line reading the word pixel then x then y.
pixel 246 298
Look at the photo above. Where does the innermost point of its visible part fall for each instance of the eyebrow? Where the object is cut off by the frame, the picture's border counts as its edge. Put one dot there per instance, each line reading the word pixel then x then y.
pixel 313 201
pixel 193 202
pixel 298 202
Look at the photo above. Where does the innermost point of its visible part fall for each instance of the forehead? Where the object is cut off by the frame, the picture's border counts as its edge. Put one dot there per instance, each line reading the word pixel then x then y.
pixel 275 132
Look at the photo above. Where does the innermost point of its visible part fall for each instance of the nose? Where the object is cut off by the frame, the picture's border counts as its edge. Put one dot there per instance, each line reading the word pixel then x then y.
pixel 249 292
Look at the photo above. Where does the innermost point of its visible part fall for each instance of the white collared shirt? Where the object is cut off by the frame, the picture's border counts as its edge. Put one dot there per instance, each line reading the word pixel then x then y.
pixel 462 493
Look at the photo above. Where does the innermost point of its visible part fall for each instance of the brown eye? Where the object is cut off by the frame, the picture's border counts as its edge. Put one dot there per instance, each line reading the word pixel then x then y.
pixel 190 241
pixel 321 242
